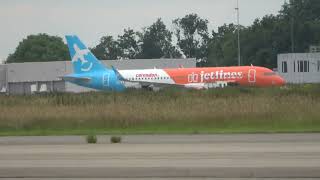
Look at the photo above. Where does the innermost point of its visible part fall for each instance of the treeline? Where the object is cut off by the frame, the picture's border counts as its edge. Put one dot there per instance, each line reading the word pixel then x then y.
pixel 293 29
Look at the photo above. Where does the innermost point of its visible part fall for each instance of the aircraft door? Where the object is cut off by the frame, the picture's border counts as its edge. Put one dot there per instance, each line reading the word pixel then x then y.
pixel 252 76
pixel 106 80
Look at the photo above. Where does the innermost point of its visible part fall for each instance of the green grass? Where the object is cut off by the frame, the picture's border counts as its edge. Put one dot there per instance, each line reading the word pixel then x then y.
pixel 170 111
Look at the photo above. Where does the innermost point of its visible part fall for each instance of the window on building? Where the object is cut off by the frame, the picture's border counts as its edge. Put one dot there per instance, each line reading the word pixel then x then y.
pixel 300 64
pixel 303 66
pixel 294 66
pixel 318 66
pixel 284 67
pixel 306 66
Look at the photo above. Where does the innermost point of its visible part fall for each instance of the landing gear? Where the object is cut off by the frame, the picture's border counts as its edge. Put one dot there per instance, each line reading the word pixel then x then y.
pixel 150 88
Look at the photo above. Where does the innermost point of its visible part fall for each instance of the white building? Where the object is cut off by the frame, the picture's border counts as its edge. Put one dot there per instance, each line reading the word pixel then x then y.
pixel 299 67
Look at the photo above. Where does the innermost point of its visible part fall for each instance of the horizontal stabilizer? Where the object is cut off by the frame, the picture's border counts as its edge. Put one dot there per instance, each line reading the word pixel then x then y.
pixel 76 79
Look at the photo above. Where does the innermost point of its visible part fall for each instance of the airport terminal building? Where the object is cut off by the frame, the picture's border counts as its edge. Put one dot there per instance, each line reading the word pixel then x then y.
pixel 298 68
pixel 28 78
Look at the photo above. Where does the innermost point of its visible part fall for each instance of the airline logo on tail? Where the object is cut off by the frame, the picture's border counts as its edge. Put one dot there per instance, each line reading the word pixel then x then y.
pixel 83 61
pixel 80 56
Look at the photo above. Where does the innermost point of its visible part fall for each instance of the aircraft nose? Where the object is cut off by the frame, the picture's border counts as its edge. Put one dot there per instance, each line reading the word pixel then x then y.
pixel 278 81
pixel 281 81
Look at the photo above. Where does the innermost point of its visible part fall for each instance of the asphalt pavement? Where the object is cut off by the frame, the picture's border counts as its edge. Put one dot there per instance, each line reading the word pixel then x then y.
pixel 246 156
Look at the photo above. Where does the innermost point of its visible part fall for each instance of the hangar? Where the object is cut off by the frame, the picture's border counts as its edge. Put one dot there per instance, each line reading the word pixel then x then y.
pixel 298 68
pixel 28 78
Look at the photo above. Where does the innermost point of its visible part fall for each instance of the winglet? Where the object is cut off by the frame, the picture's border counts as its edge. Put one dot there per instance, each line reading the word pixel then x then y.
pixel 119 76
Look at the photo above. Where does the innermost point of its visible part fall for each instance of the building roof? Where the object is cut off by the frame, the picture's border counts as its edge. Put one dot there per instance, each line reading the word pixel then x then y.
pixel 295 56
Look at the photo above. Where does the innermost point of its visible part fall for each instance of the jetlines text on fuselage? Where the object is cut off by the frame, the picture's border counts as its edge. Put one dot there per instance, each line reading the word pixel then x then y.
pixel 210 76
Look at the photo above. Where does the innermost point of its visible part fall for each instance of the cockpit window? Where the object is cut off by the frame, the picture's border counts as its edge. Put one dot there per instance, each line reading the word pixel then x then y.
pixel 269 73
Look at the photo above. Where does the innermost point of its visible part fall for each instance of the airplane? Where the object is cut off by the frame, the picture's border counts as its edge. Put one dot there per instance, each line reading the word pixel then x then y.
pixel 90 72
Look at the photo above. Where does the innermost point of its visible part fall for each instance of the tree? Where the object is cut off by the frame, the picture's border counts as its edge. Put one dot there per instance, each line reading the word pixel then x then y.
pixel 40 48
pixel 157 42
pixel 223 46
pixel 125 47
pixel 107 49
pixel 306 10
pixel 303 22
pixel 267 37
pixel 262 41
pixel 192 35
pixel 128 43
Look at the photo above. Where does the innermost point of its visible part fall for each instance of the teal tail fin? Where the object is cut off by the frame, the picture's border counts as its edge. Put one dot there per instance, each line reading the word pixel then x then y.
pixel 82 59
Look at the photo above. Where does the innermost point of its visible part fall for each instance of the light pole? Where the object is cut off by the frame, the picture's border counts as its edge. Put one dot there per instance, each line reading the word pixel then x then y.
pixel 292 14
pixel 238 30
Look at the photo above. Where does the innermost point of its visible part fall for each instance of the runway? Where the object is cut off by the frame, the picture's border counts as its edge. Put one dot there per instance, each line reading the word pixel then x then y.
pixel 162 157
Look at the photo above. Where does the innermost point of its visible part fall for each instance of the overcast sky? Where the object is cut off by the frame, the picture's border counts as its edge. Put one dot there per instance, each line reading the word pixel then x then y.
pixel 92 19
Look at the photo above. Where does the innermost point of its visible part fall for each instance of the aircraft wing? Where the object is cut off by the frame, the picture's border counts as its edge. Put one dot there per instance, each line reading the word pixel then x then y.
pixel 147 83
pixel 192 85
